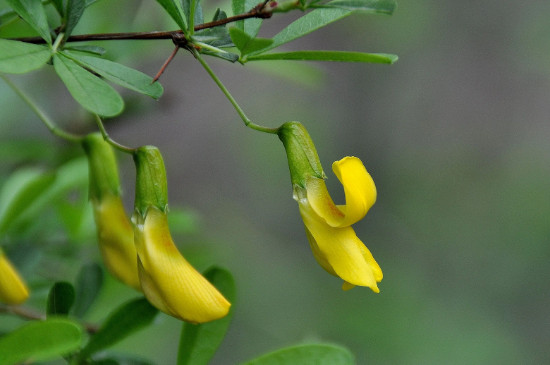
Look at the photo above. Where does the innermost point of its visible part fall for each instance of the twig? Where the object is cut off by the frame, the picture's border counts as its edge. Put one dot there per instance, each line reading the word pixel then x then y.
pixel 256 12
pixel 32 315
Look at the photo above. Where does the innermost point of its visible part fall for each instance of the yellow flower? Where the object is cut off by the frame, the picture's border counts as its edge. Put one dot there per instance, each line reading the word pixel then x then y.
pixel 333 241
pixel 168 281
pixel 328 226
pixel 13 289
pixel 116 240
pixel 114 230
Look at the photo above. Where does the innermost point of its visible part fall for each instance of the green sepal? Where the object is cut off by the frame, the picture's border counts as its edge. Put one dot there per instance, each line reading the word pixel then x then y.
pixel 102 165
pixel 151 186
pixel 303 160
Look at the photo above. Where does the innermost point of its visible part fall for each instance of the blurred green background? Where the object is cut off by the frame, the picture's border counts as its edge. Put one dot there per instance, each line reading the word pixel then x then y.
pixel 455 135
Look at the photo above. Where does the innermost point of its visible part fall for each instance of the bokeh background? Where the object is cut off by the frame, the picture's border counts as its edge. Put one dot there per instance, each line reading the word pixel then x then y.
pixel 455 134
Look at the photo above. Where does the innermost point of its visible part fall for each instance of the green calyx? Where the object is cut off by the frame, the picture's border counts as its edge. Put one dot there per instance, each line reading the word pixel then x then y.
pixel 303 160
pixel 102 165
pixel 151 186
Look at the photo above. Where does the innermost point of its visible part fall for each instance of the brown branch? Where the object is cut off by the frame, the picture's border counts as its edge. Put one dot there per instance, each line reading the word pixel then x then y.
pixel 30 314
pixel 256 12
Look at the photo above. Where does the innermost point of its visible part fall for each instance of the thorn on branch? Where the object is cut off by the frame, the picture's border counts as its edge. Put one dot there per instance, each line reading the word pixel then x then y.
pixel 167 62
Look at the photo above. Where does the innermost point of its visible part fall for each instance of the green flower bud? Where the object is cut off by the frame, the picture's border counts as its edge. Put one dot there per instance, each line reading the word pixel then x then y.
pixel 103 169
pixel 303 160
pixel 151 186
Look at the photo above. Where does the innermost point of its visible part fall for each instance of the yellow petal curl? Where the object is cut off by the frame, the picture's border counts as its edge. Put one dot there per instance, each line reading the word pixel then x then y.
pixel 116 240
pixel 168 281
pixel 359 189
pixel 13 289
pixel 339 251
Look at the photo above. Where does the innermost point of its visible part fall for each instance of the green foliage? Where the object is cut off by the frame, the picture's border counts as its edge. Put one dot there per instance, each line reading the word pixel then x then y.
pixel 91 92
pixel 127 319
pixel 88 285
pixel 60 299
pixel 119 74
pixel 312 354
pixel 75 9
pixel 246 44
pixel 337 56
pixel 40 341
pixel 18 57
pixel 19 192
pixel 33 13
pixel 175 10
pixel 198 343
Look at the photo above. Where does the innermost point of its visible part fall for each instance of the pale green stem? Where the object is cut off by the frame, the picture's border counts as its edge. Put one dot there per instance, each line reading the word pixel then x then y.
pixel 247 122
pixel 58 41
pixel 109 140
pixel 43 117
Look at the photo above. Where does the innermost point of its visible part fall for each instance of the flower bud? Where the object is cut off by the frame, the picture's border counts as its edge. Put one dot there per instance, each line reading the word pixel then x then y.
pixel 303 160
pixel 13 289
pixel 114 230
pixel 168 281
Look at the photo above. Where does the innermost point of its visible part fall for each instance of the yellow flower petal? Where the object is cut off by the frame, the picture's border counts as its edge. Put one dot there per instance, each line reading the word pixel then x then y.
pixel 359 189
pixel 116 240
pixel 169 282
pixel 13 289
pixel 340 251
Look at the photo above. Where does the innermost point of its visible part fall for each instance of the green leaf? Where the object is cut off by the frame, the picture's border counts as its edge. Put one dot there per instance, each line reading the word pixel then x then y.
pixel 40 341
pixel 198 343
pixel 175 10
pixel 119 74
pixel 75 9
pixel 120 360
pixel 95 50
pixel 228 56
pixel 70 176
pixel 58 5
pixel 247 44
pixel 127 319
pixel 337 56
pixel 313 354
pixel 19 192
pixel 90 91
pixel 238 8
pixel 19 57
pixel 60 299
pixel 249 26
pixel 88 285
pixel 310 22
pixel 193 13
pixel 217 36
pixel 32 11
pixel 365 6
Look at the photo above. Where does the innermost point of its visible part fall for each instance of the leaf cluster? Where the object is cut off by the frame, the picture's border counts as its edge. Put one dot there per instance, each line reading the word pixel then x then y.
pixel 86 73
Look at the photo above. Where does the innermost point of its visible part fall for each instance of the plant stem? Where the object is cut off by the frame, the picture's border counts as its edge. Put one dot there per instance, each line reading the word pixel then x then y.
pixel 254 13
pixel 246 120
pixel 29 314
pixel 43 117
pixel 109 140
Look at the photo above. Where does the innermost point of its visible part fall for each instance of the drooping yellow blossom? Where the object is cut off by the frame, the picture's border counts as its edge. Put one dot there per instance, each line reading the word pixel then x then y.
pixel 333 241
pixel 116 240
pixel 168 281
pixel 13 289
pixel 114 230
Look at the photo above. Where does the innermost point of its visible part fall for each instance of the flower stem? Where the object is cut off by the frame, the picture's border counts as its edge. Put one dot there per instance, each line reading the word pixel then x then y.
pixel 109 140
pixel 245 119
pixel 43 117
